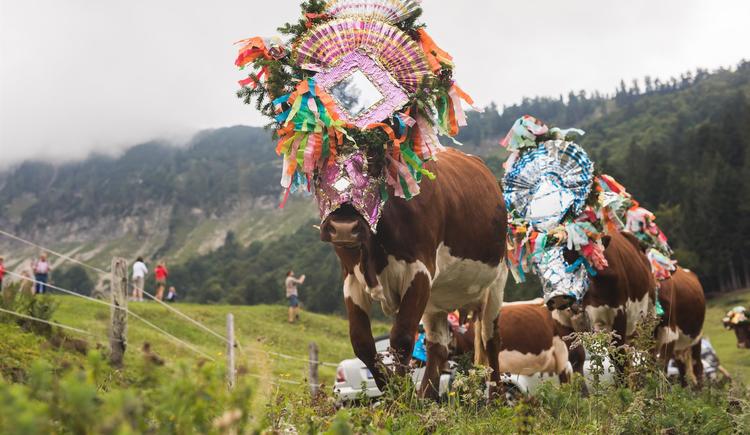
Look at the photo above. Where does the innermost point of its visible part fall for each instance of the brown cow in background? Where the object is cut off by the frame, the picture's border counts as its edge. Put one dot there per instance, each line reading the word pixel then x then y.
pixel 737 320
pixel 619 296
pixel 532 342
pixel 679 333
pixel 440 251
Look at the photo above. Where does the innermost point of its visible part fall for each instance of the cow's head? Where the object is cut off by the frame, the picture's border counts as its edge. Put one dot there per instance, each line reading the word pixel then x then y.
pixel 738 321
pixel 349 199
pixel 564 282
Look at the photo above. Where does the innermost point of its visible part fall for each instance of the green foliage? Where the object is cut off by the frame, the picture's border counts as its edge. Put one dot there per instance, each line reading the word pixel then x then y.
pixel 14 298
pixel 191 399
pixel 154 399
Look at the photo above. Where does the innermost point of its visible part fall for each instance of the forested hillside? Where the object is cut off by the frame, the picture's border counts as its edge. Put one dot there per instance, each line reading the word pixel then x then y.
pixel 679 145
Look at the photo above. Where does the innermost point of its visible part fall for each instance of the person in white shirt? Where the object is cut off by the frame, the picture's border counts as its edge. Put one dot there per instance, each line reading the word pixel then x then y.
pixel 139 276
pixel 42 270
pixel 292 294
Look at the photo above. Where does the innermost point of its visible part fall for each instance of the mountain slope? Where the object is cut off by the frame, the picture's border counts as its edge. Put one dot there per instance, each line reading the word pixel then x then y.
pixel 155 200
pixel 681 146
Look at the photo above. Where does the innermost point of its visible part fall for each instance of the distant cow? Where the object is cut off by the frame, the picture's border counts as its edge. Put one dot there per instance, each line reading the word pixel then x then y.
pixel 738 321
pixel 619 297
pixel 681 327
pixel 440 251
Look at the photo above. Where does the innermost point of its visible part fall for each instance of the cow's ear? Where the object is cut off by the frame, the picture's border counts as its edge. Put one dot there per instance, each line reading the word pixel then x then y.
pixel 606 240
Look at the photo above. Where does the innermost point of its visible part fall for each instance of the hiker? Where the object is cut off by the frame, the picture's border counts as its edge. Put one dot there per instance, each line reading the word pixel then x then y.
pixel 41 270
pixel 171 294
pixel 161 273
pixel 292 295
pixel 2 271
pixel 139 278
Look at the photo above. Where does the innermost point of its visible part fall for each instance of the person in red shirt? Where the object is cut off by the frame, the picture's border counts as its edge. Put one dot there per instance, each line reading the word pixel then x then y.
pixel 2 272
pixel 161 273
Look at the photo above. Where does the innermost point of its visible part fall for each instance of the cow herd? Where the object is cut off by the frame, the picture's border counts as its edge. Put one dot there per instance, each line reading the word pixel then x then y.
pixel 444 250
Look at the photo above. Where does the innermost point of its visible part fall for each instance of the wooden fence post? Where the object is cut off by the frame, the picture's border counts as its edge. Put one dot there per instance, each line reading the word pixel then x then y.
pixel 118 328
pixel 314 383
pixel 230 350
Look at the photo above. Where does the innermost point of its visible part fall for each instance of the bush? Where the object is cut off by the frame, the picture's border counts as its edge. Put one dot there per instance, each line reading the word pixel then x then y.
pixel 193 399
pixel 41 307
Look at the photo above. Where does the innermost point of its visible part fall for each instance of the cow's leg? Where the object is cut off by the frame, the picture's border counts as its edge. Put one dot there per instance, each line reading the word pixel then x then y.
pixel 437 340
pixel 490 328
pixel 405 327
pixel 619 326
pixel 360 332
pixel 681 367
pixel 697 364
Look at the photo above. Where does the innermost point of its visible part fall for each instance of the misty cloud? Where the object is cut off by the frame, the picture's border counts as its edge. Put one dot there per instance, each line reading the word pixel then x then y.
pixel 79 76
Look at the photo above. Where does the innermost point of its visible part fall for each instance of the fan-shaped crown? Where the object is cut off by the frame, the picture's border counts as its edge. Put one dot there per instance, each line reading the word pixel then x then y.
pixel 326 44
pixel 390 11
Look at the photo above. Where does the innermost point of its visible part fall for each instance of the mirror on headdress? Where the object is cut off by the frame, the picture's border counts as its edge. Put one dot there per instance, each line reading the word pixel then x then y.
pixel 549 203
pixel 356 94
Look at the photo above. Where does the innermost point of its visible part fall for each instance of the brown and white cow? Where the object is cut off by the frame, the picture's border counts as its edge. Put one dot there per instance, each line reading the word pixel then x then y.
pixel 680 330
pixel 440 251
pixel 737 321
pixel 531 341
pixel 619 296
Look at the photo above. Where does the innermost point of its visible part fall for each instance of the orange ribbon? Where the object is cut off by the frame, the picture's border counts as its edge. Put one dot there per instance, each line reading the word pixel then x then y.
pixel 397 141
pixel 435 54
pixel 464 96
pixel 253 49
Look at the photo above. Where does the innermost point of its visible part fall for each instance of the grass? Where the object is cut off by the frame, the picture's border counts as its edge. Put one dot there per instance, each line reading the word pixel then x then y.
pixel 257 328
pixel 650 408
pixel 264 328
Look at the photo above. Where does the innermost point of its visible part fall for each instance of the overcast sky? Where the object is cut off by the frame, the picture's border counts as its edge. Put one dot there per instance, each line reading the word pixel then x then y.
pixel 78 76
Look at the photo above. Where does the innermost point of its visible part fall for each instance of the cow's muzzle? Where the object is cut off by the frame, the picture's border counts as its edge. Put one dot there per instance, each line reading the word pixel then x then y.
pixel 343 233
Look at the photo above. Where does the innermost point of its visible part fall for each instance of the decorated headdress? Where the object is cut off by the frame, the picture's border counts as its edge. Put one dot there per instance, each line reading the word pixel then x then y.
pixel 547 183
pixel 556 202
pixel 354 77
pixel 736 316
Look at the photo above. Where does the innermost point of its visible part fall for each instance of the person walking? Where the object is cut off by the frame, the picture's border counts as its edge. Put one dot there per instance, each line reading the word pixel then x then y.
pixel 161 273
pixel 41 270
pixel 292 294
pixel 139 278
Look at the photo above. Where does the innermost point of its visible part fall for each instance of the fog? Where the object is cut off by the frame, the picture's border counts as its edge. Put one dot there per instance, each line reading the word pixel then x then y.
pixel 97 76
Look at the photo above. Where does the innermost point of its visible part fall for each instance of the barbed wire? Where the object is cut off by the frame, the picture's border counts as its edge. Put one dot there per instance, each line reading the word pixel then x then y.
pixel 63 256
pixel 269 379
pixel 99 270
pixel 174 310
pixel 57 324
pixel 135 315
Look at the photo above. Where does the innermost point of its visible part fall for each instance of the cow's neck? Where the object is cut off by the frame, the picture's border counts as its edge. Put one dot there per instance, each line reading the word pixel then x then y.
pixel 362 262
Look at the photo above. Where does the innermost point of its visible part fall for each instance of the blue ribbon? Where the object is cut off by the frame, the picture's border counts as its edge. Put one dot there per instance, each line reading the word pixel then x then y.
pixel 581 261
